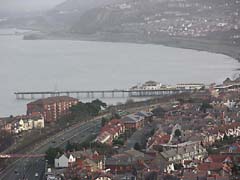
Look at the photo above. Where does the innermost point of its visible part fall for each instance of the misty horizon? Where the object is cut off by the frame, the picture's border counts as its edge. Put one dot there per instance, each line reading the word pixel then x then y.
pixel 27 5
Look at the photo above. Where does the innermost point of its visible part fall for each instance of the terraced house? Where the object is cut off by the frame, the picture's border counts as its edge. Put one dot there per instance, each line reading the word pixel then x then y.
pixel 180 153
pixel 111 131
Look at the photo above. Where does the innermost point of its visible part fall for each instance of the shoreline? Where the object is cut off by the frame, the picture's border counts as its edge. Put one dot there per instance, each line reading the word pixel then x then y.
pixel 127 39
pixel 212 46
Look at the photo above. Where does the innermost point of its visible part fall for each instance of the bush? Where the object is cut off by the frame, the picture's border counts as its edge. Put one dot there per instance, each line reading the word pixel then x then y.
pixel 137 146
pixel 177 133
pixel 86 110
pixel 51 154
pixel 118 141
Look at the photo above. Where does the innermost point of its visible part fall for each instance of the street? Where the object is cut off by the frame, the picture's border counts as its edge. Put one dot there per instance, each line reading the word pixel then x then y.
pixel 34 168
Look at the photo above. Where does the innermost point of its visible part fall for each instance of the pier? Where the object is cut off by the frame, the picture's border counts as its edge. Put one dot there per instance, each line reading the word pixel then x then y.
pixel 98 93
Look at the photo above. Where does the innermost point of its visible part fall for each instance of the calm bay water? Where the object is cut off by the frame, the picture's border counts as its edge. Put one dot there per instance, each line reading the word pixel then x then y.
pixel 79 65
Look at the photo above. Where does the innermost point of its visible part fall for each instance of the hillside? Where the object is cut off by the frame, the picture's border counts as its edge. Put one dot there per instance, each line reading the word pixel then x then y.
pixel 60 18
pixel 70 11
pixel 212 25
pixel 175 18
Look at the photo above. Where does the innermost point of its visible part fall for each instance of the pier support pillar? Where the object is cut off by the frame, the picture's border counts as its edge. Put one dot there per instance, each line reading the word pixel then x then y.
pixel 129 94
pixel 88 94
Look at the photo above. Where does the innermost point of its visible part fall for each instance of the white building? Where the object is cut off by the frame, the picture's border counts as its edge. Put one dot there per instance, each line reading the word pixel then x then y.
pixel 190 86
pixel 61 161
pixel 183 152
pixel 26 123
pixel 149 85
pixel 38 122
pixel 230 104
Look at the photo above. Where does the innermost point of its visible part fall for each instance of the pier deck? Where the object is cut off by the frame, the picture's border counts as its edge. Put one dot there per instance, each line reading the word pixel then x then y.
pixel 98 93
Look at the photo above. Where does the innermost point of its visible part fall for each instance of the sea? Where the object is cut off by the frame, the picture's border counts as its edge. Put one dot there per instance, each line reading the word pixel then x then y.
pixel 58 65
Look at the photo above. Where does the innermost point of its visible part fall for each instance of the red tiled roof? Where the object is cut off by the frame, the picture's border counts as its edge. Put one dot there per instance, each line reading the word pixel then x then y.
pixel 159 138
pixel 213 166
pixel 51 100
pixel 225 127
pixel 210 166
pixel 219 158
pixel 113 127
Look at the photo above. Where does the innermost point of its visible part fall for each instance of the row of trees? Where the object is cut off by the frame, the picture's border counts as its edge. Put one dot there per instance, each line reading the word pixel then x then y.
pixel 103 149
pixel 83 111
pixel 6 140
pixel 88 109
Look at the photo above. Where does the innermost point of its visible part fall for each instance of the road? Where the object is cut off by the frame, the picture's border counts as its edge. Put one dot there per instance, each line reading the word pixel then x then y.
pixel 27 168
pixel 33 168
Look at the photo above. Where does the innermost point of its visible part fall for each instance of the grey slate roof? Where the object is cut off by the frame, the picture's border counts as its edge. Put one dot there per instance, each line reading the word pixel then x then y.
pixel 132 118
pixel 144 114
pixel 183 150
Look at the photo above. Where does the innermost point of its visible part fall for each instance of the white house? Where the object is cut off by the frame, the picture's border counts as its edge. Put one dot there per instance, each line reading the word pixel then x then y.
pixel 26 123
pixel 103 178
pixel 61 161
pixel 38 122
pixel 230 104
pixel 71 159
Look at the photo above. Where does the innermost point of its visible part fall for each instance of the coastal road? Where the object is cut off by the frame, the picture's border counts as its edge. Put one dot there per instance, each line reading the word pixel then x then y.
pixel 28 167
pixel 33 168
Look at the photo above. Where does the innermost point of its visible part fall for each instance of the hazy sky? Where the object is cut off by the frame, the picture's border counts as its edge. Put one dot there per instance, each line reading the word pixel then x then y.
pixel 27 5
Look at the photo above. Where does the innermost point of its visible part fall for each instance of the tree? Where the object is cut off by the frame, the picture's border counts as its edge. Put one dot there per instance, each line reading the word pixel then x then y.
pixel 118 142
pixel 52 153
pixel 69 146
pixel 129 101
pixel 116 116
pixel 99 103
pixel 86 110
pixel 104 121
pixel 6 139
pixel 152 132
pixel 205 106
pixel 137 146
pixel 177 133
pixel 159 112
pixel 178 166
